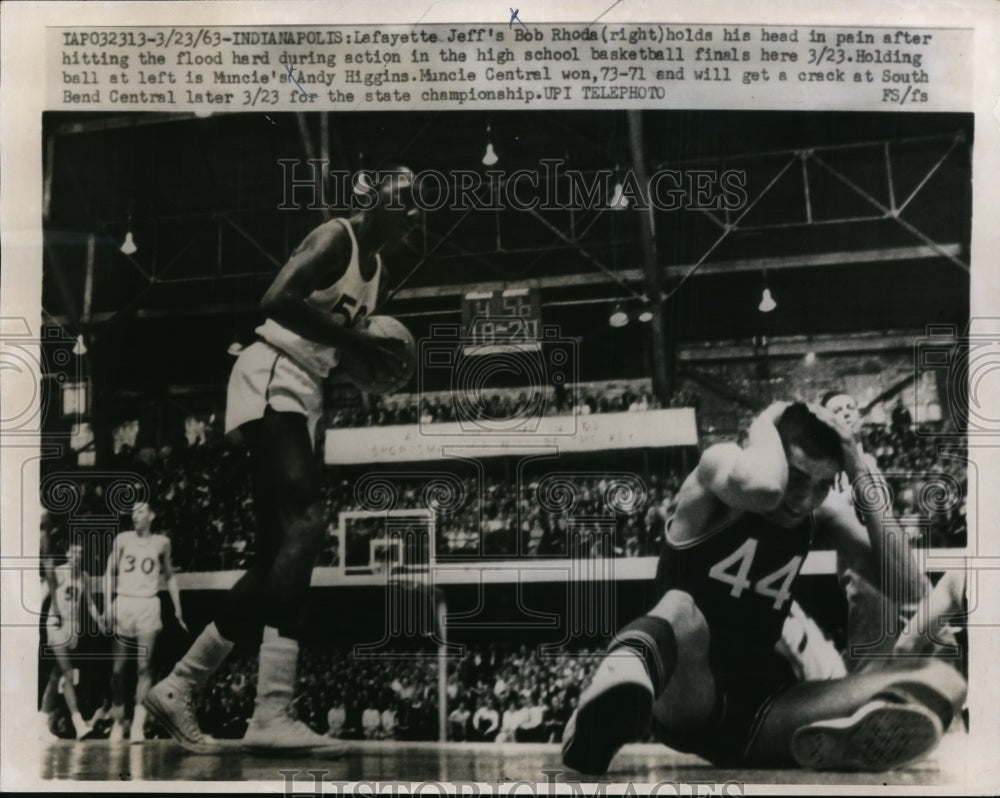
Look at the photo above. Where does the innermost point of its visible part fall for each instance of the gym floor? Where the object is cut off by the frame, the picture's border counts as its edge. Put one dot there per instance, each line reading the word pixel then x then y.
pixel 384 761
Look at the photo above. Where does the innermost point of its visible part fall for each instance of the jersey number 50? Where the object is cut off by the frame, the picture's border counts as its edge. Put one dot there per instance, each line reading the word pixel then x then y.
pixel 734 569
pixel 345 304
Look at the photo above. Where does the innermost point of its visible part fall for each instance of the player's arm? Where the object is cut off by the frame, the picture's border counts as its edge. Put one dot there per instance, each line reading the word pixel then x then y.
pixel 48 569
pixel 320 260
pixel 111 578
pixel 55 610
pixel 753 478
pixel 891 557
pixel 88 598
pixel 890 560
pixel 48 566
pixel 172 587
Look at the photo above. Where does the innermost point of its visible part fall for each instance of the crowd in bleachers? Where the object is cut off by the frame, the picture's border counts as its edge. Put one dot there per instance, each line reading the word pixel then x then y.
pixel 504 404
pixel 548 516
pixel 202 494
pixel 495 692
pixel 928 478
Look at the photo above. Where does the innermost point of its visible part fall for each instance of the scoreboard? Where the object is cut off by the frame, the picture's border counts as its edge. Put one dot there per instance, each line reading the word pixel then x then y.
pixel 507 318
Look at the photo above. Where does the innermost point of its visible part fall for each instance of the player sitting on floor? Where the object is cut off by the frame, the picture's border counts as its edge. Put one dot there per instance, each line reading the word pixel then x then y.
pixel 701 667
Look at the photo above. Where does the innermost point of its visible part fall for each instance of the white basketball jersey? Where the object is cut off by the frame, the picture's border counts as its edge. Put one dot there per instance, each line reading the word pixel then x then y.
pixel 69 591
pixel 348 300
pixel 138 564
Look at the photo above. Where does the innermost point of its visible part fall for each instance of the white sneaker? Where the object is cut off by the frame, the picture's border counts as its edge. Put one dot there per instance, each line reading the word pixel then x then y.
pixel 879 736
pixel 81 726
pixel 616 708
pixel 283 736
pixel 171 703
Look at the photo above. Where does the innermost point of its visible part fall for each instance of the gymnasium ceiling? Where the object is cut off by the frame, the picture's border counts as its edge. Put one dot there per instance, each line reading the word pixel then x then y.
pixel 201 196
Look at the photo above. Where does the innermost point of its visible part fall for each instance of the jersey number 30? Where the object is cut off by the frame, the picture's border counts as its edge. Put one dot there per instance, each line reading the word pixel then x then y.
pixel 734 569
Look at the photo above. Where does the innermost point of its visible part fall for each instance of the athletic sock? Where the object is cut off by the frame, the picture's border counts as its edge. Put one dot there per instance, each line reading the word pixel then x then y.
pixel 276 675
pixel 203 658
pixel 138 721
pixel 653 640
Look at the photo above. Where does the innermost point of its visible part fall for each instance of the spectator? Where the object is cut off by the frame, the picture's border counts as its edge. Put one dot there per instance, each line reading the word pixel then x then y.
pixel 901 419
pixel 336 718
pixel 458 722
pixel 389 721
pixel 486 721
pixel 513 715
pixel 532 728
pixel 371 721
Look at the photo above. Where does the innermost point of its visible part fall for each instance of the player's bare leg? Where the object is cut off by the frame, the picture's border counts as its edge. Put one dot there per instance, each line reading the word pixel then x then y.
pixel 288 483
pixel 119 653
pixel 69 692
pixel 62 668
pixel 143 681
pixel 289 514
pixel 875 721
pixel 48 703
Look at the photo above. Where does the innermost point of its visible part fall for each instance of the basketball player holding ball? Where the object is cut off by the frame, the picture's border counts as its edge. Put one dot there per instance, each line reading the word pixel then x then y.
pixel 314 329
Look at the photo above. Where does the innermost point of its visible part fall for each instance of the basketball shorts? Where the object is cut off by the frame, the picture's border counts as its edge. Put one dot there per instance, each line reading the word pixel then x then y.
pixel 747 680
pixel 264 376
pixel 61 633
pixel 135 615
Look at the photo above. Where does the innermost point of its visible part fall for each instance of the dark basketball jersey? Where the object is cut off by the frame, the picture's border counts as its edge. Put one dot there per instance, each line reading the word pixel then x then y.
pixel 740 576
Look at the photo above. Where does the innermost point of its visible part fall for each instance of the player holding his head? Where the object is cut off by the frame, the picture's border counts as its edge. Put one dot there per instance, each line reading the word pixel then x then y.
pixel 314 308
pixel 702 667
pixel 70 594
pixel 138 560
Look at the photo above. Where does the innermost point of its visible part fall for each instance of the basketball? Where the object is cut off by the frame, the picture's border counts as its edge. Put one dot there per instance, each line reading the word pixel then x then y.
pixel 387 375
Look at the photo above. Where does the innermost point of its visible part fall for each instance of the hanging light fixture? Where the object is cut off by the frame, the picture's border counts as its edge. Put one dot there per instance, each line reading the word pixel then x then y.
pixel 489 157
pixel 618 318
pixel 79 348
pixel 645 315
pixel 767 303
pixel 128 246
pixel 619 201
